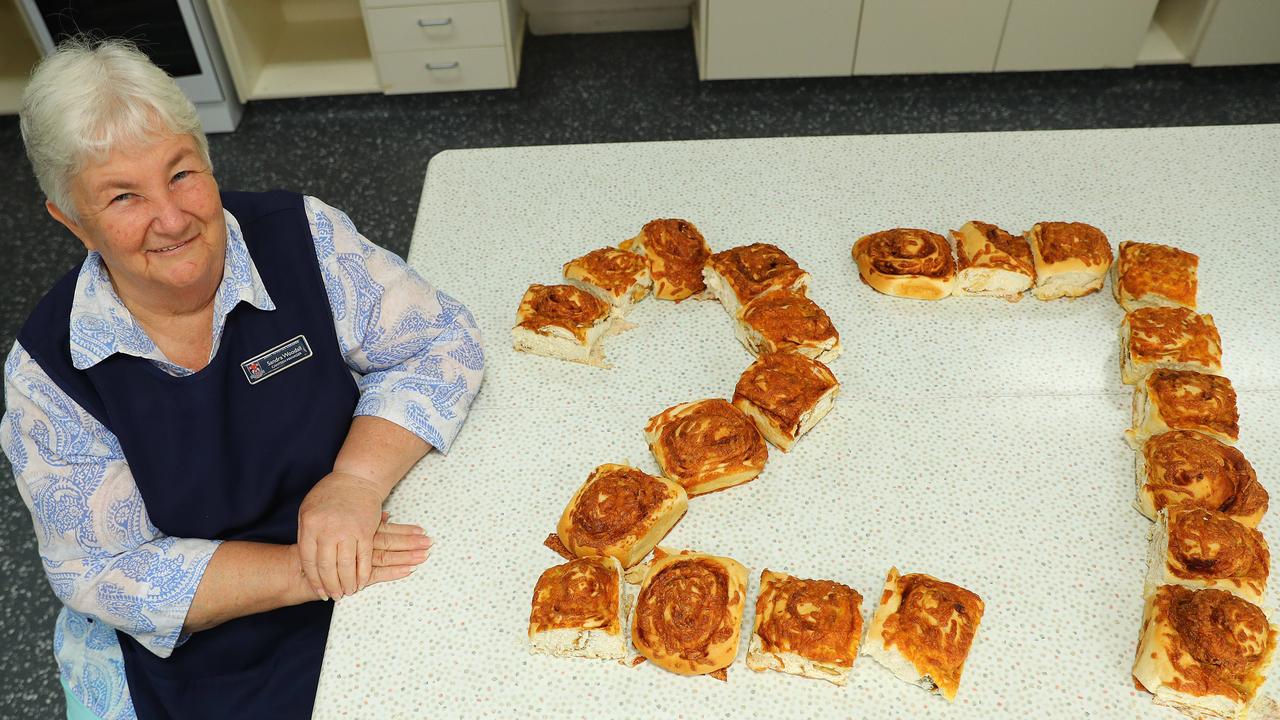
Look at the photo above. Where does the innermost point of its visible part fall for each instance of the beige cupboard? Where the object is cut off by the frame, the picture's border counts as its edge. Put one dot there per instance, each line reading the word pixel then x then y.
pixel 927 36
pixel 291 48
pixel 18 54
pixel 766 38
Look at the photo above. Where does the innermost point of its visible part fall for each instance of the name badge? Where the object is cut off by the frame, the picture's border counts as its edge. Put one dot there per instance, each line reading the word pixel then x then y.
pixel 276 360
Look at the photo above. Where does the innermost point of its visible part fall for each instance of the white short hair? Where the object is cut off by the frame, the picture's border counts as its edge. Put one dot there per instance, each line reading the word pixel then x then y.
pixel 91 96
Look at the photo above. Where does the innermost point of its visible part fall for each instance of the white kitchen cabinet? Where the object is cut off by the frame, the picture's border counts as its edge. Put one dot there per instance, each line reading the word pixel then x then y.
pixel 929 36
pixel 438 46
pixel 295 48
pixel 1074 34
pixel 771 38
pixel 1228 32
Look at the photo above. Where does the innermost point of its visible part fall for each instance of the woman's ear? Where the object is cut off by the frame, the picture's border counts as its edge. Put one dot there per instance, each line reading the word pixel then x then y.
pixel 70 224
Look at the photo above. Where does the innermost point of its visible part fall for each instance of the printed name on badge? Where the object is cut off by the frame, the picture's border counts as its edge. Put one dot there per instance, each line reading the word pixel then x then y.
pixel 276 360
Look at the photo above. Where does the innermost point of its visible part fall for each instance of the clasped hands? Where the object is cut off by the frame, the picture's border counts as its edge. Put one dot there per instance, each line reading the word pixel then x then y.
pixel 346 544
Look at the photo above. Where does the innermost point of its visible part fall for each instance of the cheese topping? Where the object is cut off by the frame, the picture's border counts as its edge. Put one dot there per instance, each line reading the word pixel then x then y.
pixel 752 270
pixel 688 610
pixel 788 320
pixel 705 439
pixel 1208 545
pixel 1179 335
pixel 677 253
pixel 1216 643
pixel 1195 401
pixel 617 502
pixel 1149 269
pixel 581 594
pixel 610 269
pixel 983 245
pixel 784 386
pixel 933 625
pixel 1188 467
pixel 1059 241
pixel 907 252
pixel 817 619
pixel 546 308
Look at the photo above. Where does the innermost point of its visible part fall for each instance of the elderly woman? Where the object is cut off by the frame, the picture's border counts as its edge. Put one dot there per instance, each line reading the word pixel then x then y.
pixel 205 416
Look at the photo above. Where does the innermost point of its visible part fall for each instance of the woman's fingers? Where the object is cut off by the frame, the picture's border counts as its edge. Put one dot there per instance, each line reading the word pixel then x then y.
pixel 400 529
pixel 392 558
pixel 364 558
pixel 394 541
pixel 346 562
pixel 327 569
pixel 393 572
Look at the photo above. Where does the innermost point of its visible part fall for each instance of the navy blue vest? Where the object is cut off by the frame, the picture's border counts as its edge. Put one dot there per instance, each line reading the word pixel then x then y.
pixel 217 457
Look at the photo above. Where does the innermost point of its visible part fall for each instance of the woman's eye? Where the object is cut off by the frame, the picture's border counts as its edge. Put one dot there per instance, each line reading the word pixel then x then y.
pixel 121 197
pixel 181 175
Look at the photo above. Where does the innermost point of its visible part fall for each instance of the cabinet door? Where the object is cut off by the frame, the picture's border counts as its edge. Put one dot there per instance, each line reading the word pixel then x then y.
pixel 929 36
pixel 1241 32
pixel 767 38
pixel 1074 34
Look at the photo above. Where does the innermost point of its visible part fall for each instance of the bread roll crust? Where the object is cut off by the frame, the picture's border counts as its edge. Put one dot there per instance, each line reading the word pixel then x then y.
pixel 923 630
pixel 1071 259
pixel 1170 338
pixel 1152 275
pixel 785 394
pixel 1184 400
pixel 785 320
pixel 616 276
pixel 706 445
pixel 906 262
pixel 621 512
pixel 1185 467
pixel 803 627
pixel 677 252
pixel 1204 652
pixel 990 262
pixel 1199 548
pixel 688 615
pixel 577 610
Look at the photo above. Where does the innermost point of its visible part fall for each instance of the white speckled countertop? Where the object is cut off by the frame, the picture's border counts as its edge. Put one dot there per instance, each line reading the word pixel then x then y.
pixel 974 440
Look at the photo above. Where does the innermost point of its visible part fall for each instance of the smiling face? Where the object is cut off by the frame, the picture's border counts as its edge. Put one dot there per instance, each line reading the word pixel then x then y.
pixel 152 211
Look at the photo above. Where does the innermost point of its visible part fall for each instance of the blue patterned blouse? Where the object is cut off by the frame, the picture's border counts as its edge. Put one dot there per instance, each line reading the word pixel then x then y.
pixel 415 353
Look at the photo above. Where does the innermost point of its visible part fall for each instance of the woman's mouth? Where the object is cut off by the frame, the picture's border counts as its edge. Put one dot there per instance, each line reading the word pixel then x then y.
pixel 171 248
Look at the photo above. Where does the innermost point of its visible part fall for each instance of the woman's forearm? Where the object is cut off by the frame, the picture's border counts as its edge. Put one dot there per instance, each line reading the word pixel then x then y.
pixel 246 578
pixel 378 452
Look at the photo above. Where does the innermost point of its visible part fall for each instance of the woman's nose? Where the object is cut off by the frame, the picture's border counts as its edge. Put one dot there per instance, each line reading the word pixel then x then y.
pixel 169 217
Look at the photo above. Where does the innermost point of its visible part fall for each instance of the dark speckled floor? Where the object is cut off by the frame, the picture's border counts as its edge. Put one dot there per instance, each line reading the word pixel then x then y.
pixel 367 154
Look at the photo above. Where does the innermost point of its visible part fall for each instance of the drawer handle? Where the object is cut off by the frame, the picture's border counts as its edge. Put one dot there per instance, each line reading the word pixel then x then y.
pixel 443 66
pixel 435 23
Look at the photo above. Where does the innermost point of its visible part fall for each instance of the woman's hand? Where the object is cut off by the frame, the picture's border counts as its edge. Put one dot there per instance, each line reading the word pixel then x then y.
pixel 337 522
pixel 398 550
pixel 338 518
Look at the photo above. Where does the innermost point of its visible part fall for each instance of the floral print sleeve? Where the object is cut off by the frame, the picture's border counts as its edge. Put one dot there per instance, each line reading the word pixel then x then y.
pixel 101 554
pixel 416 350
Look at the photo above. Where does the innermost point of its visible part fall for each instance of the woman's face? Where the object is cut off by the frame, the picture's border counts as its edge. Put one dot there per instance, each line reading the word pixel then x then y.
pixel 153 212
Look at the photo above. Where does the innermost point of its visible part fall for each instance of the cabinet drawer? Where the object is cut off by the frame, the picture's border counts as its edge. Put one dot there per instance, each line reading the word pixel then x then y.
pixel 435 26
pixel 459 69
